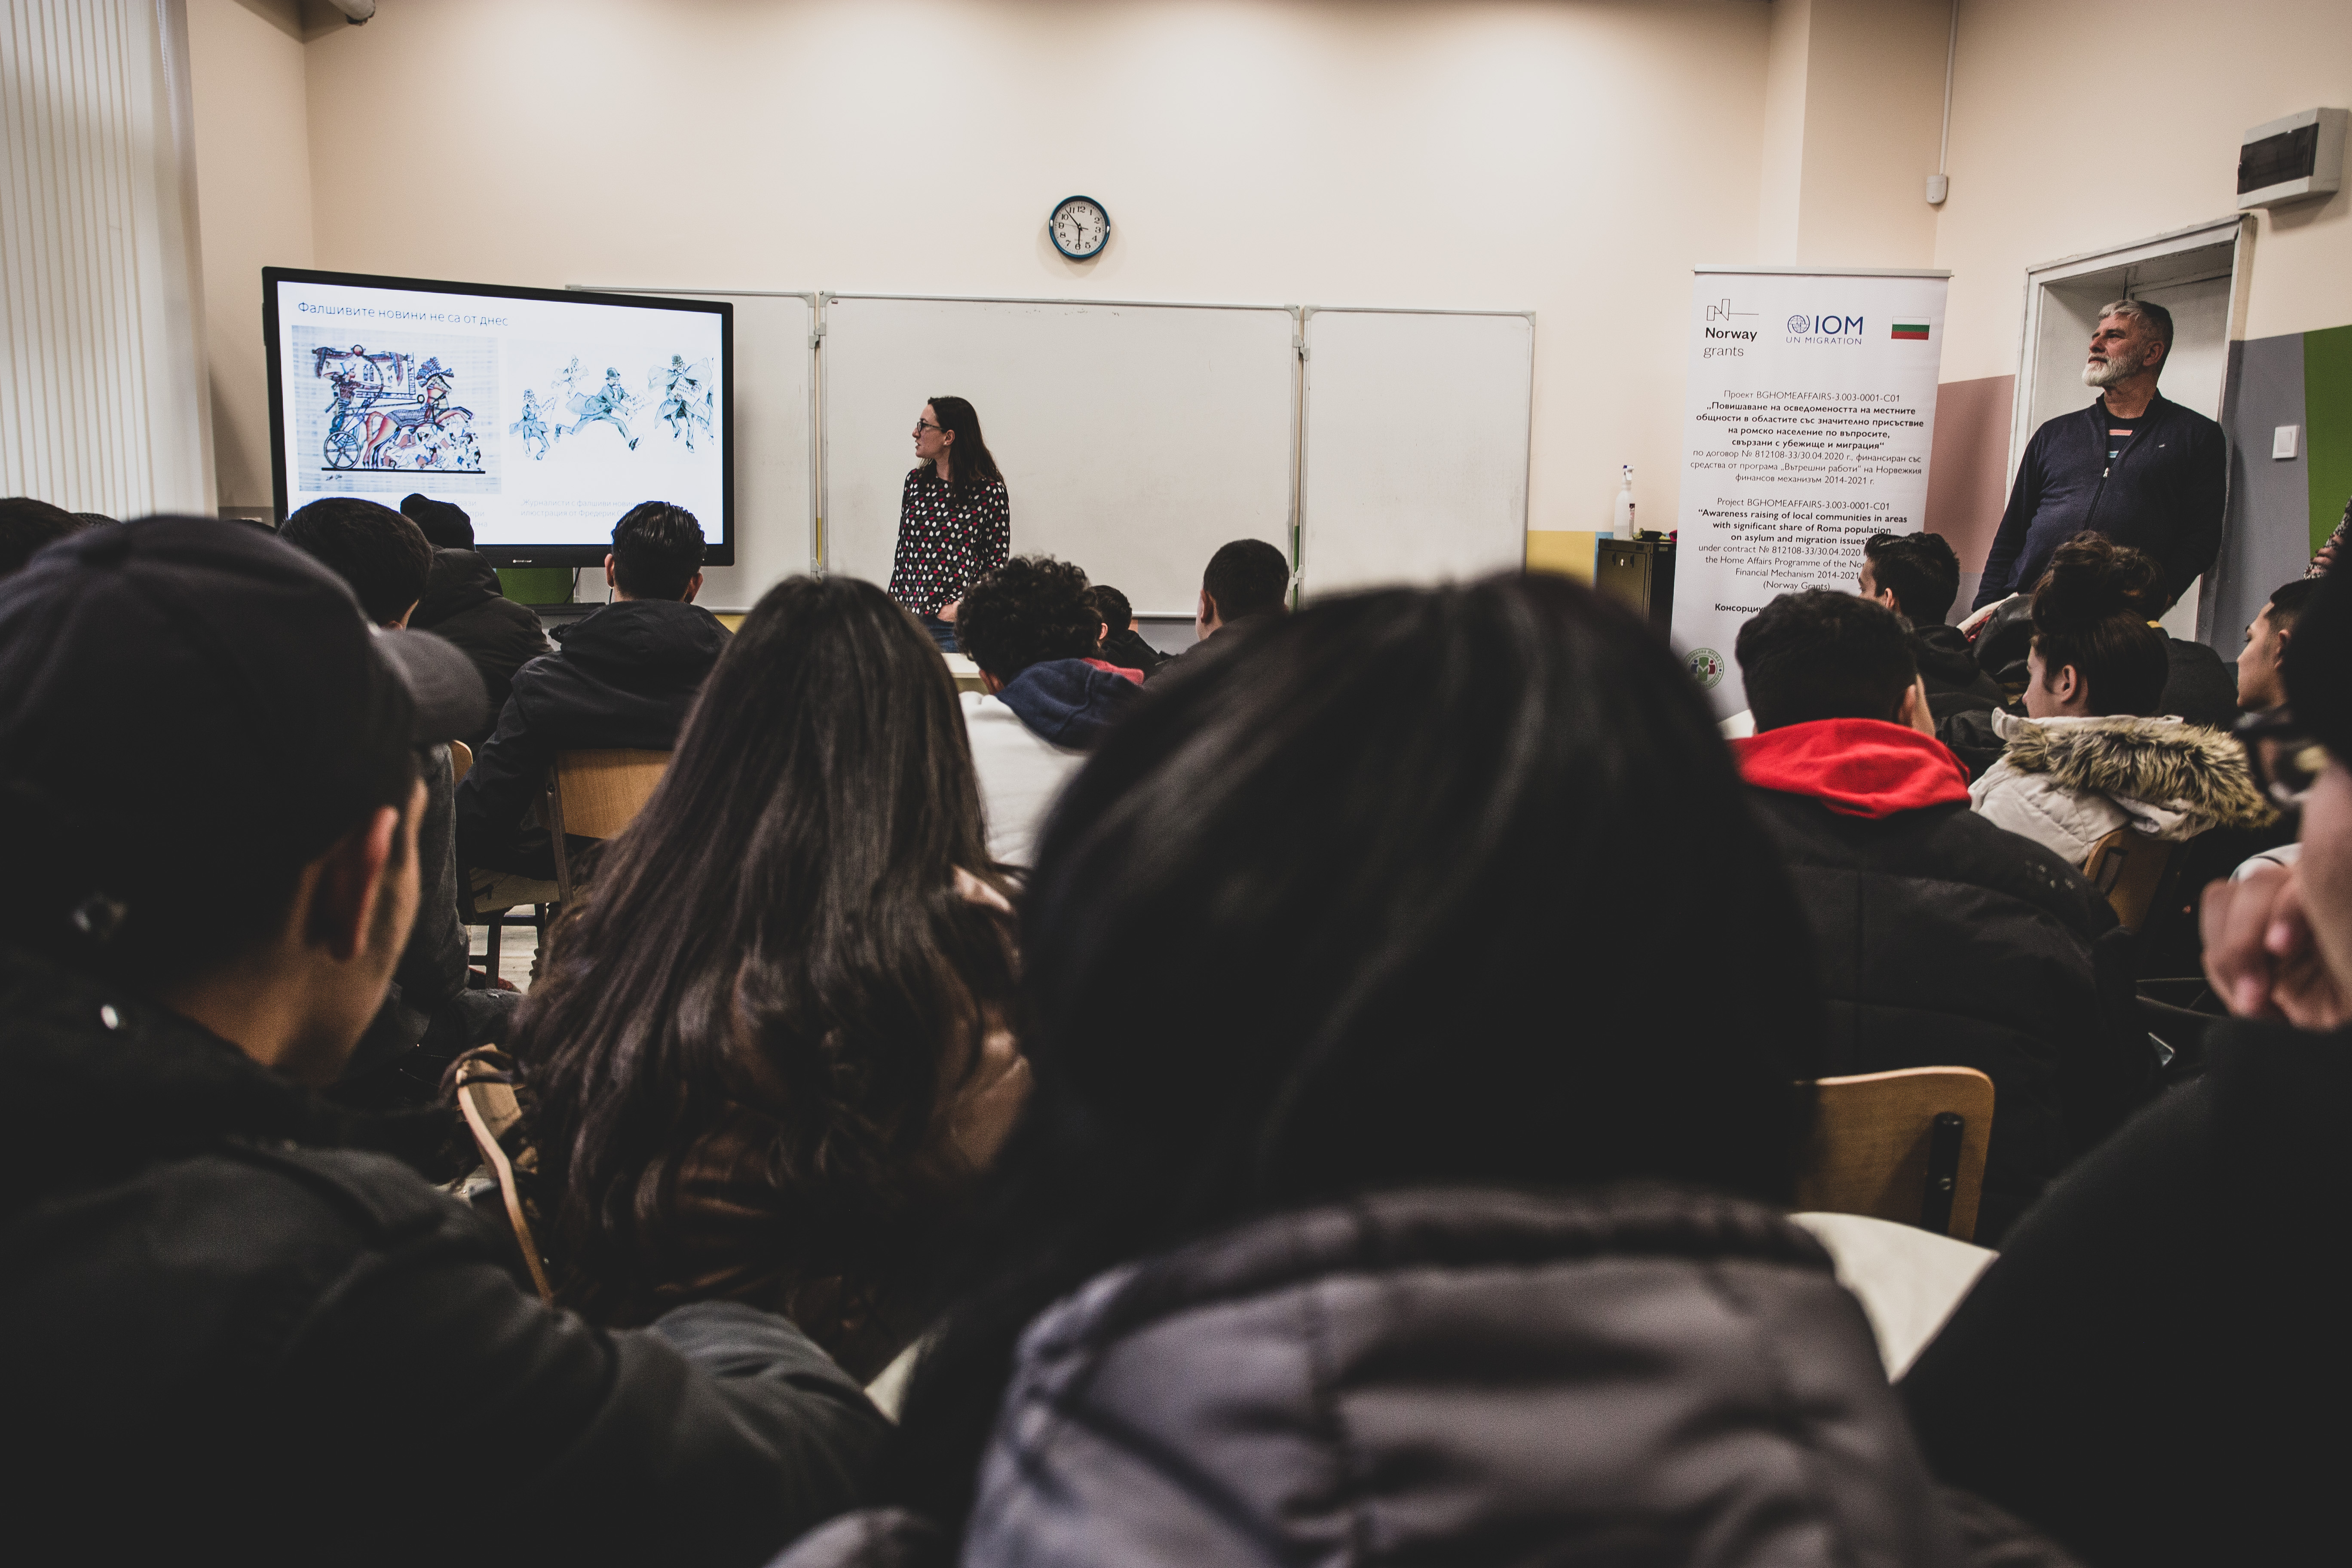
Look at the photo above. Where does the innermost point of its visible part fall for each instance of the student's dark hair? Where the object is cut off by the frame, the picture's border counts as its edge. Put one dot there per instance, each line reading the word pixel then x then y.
pixel 1247 577
pixel 2091 610
pixel 445 523
pixel 382 555
pixel 26 524
pixel 176 904
pixel 780 931
pixel 1822 654
pixel 2287 601
pixel 1922 571
pixel 968 460
pixel 658 548
pixel 1112 607
pixel 1028 610
pixel 1347 953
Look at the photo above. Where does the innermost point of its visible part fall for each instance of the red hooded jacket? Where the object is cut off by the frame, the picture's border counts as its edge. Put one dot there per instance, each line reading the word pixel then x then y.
pixel 1858 767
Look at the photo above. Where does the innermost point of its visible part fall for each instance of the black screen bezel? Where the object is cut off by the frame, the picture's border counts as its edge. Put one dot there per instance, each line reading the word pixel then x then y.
pixel 718 551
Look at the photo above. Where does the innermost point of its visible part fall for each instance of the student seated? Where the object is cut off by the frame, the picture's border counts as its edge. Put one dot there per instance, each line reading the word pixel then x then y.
pixel 624 677
pixel 1122 643
pixel 782 1097
pixel 430 1014
pixel 1943 940
pixel 2139 1372
pixel 1918 576
pixel 464 603
pixel 2262 665
pixel 2089 758
pixel 1034 634
pixel 236 1333
pixel 1387 1193
pixel 1248 577
pixel 26 525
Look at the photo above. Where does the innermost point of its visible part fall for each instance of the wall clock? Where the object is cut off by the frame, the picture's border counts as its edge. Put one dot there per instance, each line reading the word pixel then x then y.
pixel 1080 227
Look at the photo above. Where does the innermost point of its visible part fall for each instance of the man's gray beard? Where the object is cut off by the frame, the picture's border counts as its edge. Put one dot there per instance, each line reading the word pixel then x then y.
pixel 2094 373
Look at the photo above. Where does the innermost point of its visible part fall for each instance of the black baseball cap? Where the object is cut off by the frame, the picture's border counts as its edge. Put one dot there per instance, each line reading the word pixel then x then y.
pixel 180 682
pixel 2318 666
pixel 446 523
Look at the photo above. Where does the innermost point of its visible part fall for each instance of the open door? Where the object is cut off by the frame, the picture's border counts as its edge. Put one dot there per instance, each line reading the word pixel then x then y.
pixel 2198 274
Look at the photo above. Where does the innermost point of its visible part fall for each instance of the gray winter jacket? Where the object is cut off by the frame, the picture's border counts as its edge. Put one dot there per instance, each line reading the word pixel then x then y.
pixel 1458 1377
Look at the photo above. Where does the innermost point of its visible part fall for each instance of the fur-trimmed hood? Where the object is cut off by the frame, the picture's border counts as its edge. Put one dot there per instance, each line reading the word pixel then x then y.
pixel 2068 783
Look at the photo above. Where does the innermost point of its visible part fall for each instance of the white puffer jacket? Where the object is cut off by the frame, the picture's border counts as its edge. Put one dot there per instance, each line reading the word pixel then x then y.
pixel 2068 783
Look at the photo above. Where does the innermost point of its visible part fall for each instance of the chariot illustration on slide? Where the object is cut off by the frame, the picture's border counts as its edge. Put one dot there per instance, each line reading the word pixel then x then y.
pixel 389 412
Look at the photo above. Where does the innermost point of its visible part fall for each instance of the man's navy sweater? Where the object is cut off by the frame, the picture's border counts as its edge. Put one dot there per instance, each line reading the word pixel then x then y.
pixel 2163 494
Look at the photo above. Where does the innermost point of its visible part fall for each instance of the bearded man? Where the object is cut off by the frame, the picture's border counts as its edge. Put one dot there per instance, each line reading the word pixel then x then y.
pixel 2135 466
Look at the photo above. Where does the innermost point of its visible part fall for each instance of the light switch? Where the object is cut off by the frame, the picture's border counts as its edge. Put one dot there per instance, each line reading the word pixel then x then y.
pixel 2283 440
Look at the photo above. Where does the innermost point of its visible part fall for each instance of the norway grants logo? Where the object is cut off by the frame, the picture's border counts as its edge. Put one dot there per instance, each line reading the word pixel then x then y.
pixel 1705 667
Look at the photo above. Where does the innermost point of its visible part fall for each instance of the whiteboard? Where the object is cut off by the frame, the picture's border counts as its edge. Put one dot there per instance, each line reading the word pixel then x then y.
pixel 1415 467
pixel 1134 438
pixel 775 442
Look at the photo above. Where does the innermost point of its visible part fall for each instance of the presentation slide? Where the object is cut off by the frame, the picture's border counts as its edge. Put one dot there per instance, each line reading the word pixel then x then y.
pixel 545 414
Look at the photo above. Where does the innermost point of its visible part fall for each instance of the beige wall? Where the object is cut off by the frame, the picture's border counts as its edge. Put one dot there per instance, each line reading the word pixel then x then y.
pixel 1852 111
pixel 2043 167
pixel 253 190
pixel 1572 158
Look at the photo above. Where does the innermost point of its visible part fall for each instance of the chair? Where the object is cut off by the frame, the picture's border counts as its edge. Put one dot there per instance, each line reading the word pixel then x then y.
pixel 2128 867
pixel 1907 1145
pixel 594 795
pixel 484 1079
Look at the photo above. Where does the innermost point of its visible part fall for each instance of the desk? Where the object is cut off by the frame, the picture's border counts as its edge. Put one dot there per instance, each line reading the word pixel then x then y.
pixel 966 673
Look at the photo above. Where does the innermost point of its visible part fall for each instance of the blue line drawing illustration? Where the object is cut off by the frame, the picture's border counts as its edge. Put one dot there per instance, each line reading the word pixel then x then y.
pixel 685 396
pixel 530 428
pixel 607 404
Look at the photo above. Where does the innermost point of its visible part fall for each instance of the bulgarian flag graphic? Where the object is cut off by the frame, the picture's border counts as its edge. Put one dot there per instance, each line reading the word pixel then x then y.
pixel 1918 330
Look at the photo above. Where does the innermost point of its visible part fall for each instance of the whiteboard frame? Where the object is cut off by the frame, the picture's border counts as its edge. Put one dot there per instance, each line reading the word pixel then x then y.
pixel 1298 460
pixel 814 300
pixel 823 465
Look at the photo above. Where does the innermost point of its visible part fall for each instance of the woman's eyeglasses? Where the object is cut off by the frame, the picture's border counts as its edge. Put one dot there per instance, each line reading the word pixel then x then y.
pixel 923 425
pixel 2285 759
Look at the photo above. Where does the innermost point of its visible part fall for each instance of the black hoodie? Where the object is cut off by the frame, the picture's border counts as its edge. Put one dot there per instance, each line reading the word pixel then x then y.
pixel 626 676
pixel 236 1335
pixel 464 603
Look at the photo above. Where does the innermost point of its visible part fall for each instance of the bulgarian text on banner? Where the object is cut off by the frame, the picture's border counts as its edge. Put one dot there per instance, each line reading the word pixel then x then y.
pixel 1810 413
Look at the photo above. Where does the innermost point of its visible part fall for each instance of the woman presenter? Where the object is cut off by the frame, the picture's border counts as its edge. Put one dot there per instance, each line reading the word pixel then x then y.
pixel 955 525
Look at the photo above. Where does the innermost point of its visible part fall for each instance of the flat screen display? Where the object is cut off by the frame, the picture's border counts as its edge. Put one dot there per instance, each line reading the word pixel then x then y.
pixel 545 414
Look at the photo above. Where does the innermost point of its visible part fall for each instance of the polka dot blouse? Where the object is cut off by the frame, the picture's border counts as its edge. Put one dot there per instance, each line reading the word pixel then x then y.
pixel 947 539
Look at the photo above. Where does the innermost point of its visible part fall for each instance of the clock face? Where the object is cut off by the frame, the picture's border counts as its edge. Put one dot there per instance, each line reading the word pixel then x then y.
pixel 1080 228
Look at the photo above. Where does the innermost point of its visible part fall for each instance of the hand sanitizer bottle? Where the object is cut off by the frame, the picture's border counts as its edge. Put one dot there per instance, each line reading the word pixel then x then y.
pixel 1621 523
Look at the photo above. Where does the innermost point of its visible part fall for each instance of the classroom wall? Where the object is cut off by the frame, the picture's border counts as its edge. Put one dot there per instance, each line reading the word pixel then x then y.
pixel 1574 158
pixel 250 100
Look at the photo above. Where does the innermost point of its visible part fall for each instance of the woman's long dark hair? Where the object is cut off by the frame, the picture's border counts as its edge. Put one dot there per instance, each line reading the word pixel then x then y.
pixel 2092 610
pixel 969 460
pixel 1455 885
pixel 779 928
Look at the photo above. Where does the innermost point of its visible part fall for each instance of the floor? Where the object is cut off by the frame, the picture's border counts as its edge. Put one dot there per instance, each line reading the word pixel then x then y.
pixel 518 951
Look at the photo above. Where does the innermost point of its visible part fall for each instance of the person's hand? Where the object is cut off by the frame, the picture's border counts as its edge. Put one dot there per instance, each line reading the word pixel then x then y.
pixel 2260 956
pixel 948 612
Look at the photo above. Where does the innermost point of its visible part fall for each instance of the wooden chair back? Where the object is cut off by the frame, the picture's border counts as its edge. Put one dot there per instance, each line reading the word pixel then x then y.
pixel 488 1100
pixel 594 795
pixel 1907 1145
pixel 461 762
pixel 2128 867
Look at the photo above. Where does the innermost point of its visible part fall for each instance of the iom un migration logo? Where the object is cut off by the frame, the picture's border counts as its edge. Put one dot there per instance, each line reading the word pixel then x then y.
pixel 1706 666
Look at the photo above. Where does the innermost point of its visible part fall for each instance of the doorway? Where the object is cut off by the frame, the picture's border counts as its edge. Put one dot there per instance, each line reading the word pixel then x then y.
pixel 2199 274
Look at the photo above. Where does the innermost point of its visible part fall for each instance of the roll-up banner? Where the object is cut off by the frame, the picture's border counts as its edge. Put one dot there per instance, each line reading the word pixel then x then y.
pixel 1810 411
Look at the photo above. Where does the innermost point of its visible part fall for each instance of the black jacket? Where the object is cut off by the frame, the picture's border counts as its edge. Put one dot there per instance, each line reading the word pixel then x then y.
pixel 1631 1376
pixel 2156 1368
pixel 1947 665
pixel 464 603
pixel 1128 649
pixel 2165 496
pixel 229 1339
pixel 627 677
pixel 1945 941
